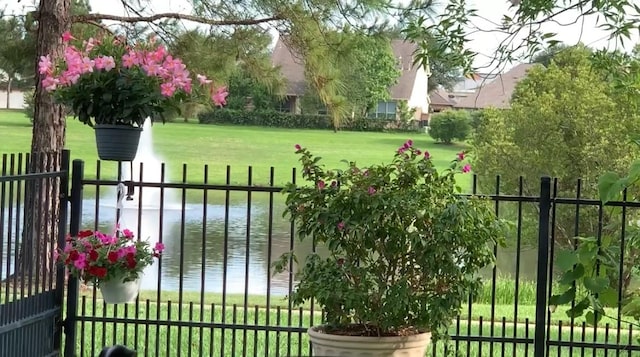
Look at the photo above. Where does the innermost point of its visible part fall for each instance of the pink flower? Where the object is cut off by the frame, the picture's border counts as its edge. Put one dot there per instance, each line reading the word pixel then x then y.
pixel 466 168
pixel 298 147
pixel 130 59
pixel 461 155
pixel 219 98
pixel 151 69
pixel 49 83
pixel 121 252
pixel 81 262
pixel 371 190
pixel 340 226
pixel 159 247
pixel 87 65
pixel 107 63
pixel 90 44
pixel 106 239
pixel 127 233
pixel 130 249
pixel 167 89
pixel 321 184
pixel 66 36
pixel 427 156
pixel 45 66
pixel 203 79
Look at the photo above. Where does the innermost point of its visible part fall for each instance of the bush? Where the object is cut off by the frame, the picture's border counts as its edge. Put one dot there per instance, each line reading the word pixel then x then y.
pixel 450 125
pixel 28 104
pixel 275 119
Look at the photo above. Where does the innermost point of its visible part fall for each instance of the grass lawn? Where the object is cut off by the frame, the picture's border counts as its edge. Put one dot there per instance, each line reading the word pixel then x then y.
pixel 238 146
pixel 192 329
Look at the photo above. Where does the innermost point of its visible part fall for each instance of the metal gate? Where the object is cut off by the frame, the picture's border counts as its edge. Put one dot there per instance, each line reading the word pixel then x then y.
pixel 31 284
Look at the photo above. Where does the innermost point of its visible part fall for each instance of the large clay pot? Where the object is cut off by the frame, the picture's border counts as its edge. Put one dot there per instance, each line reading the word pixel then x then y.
pixel 324 344
pixel 115 291
pixel 117 142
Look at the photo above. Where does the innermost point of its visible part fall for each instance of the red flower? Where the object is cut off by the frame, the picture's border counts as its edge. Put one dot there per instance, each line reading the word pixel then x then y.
pixel 112 257
pixel 84 234
pixel 131 261
pixel 98 272
pixel 73 255
pixel 93 255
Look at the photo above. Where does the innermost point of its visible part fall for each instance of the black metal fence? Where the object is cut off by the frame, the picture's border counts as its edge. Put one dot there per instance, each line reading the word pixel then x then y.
pixel 213 293
pixel 31 286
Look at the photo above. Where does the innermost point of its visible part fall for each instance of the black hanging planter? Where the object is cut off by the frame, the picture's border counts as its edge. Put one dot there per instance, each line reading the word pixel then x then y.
pixel 117 142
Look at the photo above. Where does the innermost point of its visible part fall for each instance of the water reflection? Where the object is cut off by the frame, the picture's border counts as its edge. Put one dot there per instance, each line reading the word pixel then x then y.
pixel 197 254
pixel 197 257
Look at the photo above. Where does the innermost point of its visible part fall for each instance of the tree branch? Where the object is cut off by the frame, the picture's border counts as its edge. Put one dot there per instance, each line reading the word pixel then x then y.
pixel 171 15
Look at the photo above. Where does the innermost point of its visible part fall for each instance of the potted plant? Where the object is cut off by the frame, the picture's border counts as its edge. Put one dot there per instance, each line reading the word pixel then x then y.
pixel 114 86
pixel 402 249
pixel 113 262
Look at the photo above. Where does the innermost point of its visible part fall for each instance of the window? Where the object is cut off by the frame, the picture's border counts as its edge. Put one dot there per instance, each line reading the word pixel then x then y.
pixel 286 105
pixel 384 110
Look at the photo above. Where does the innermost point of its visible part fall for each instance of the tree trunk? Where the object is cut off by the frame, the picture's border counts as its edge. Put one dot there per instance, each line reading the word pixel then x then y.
pixel 9 81
pixel 42 196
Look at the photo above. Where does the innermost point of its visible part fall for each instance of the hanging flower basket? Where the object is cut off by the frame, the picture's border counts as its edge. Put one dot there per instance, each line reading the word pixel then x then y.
pixel 117 142
pixel 117 291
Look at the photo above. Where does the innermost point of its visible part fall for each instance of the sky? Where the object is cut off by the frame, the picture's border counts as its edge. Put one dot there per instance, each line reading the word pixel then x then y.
pixel 484 43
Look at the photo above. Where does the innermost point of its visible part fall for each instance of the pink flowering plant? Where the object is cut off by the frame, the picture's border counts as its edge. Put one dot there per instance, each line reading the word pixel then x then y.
pixel 399 247
pixel 97 257
pixel 109 81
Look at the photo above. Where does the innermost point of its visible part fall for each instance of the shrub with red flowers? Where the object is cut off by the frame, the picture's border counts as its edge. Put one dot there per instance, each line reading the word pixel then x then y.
pixel 399 248
pixel 97 257
pixel 110 81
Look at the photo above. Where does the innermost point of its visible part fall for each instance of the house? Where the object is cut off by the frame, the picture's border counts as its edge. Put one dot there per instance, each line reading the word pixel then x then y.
pixel 495 92
pixel 15 99
pixel 412 83
pixel 441 100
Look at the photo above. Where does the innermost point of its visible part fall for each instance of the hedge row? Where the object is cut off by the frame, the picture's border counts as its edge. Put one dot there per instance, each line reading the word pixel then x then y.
pixel 287 120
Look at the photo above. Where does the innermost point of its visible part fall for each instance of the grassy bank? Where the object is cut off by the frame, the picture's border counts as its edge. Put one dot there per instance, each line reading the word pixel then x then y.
pixel 238 146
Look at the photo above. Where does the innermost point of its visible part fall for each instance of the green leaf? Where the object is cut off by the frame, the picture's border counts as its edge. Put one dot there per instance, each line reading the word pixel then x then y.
pixel 609 297
pixel 572 275
pixel 578 309
pixel 563 298
pixel 634 172
pixel 596 285
pixel 592 318
pixel 566 259
pixel 609 187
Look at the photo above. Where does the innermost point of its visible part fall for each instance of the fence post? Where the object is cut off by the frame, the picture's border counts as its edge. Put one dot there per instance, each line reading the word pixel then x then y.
pixel 74 228
pixel 62 227
pixel 540 338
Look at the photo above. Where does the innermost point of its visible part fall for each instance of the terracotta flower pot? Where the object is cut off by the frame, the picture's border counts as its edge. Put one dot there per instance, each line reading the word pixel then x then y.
pixel 117 142
pixel 325 344
pixel 115 291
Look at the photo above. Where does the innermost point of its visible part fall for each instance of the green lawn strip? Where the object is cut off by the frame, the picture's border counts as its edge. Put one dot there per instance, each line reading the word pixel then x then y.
pixel 247 330
pixel 237 146
pixel 478 309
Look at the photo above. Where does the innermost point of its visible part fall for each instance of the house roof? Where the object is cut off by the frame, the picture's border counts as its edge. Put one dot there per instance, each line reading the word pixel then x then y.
pixel 496 93
pixel 440 98
pixel 403 51
pixel 292 69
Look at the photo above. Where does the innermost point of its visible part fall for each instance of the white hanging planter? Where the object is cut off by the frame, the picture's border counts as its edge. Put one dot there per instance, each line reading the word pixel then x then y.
pixel 115 291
